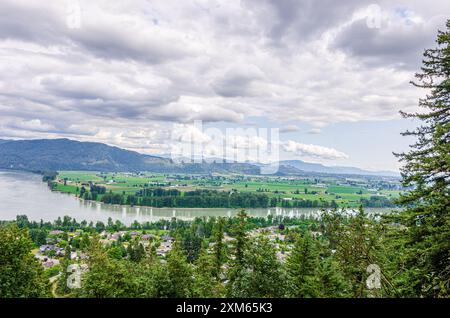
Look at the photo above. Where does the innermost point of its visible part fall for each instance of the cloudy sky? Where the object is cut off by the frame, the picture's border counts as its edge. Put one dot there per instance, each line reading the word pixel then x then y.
pixel 331 75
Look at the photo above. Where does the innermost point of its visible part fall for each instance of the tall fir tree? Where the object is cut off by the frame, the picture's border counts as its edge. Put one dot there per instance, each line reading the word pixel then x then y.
pixel 358 242
pixel 241 237
pixel 426 169
pixel 267 278
pixel 179 272
pixel 205 283
pixel 238 273
pixel 332 281
pixel 303 268
pixel 219 248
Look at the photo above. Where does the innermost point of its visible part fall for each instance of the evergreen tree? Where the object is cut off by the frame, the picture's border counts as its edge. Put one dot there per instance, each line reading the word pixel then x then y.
pixel 358 242
pixel 136 251
pixel 180 274
pixel 427 171
pixel 241 237
pixel 107 278
pixel 205 284
pixel 21 275
pixel 267 278
pixel 238 273
pixel 191 243
pixel 219 248
pixel 332 281
pixel 161 280
pixel 62 281
pixel 303 268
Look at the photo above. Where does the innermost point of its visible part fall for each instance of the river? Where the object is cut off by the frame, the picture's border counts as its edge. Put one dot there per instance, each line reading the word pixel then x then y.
pixel 25 193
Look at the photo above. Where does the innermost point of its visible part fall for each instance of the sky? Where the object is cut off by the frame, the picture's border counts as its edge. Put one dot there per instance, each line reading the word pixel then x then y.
pixel 330 75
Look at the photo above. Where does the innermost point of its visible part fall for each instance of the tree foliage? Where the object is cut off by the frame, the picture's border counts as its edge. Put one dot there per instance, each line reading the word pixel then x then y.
pixel 426 170
pixel 21 275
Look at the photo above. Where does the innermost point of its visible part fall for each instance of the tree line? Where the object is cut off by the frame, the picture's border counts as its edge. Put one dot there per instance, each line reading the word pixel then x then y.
pixel 203 264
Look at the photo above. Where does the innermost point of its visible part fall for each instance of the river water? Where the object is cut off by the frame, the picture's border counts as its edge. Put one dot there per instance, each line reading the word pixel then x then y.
pixel 25 193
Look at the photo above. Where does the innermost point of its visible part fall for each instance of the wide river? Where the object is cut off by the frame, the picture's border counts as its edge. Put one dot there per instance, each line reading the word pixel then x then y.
pixel 25 193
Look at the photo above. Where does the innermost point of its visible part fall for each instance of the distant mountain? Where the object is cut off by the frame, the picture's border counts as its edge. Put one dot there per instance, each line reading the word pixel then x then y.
pixel 66 154
pixel 319 168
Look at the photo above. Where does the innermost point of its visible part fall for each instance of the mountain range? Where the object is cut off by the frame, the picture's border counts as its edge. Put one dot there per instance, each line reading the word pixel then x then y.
pixel 319 168
pixel 66 154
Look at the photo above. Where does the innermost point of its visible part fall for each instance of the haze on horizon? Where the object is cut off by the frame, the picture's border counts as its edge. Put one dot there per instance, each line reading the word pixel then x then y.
pixel 130 73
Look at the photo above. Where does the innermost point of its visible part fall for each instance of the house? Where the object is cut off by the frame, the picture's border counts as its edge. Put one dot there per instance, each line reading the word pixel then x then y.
pixel 147 237
pixel 134 234
pixel 50 263
pixel 43 248
pixel 164 248
pixel 47 247
pixel 167 238
pixel 60 251
pixel 114 236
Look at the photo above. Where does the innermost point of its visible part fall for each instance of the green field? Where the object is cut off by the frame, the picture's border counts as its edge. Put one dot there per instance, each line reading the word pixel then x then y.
pixel 289 188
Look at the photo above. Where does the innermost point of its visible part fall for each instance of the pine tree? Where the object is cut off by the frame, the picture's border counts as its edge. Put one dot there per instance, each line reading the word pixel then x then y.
pixel 266 276
pixel 206 284
pixel 179 272
pixel 426 170
pixel 219 248
pixel 62 281
pixel 332 281
pixel 238 273
pixel 358 243
pixel 241 237
pixel 303 268
pixel 191 243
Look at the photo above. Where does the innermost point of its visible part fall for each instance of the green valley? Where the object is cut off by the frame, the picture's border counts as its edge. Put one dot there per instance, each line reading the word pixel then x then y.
pixel 268 191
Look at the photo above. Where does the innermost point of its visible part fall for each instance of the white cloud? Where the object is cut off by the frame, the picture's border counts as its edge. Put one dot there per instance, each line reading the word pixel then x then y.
pixel 133 68
pixel 313 151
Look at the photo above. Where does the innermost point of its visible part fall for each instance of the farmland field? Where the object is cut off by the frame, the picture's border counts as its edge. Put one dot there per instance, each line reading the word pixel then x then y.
pixel 279 191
